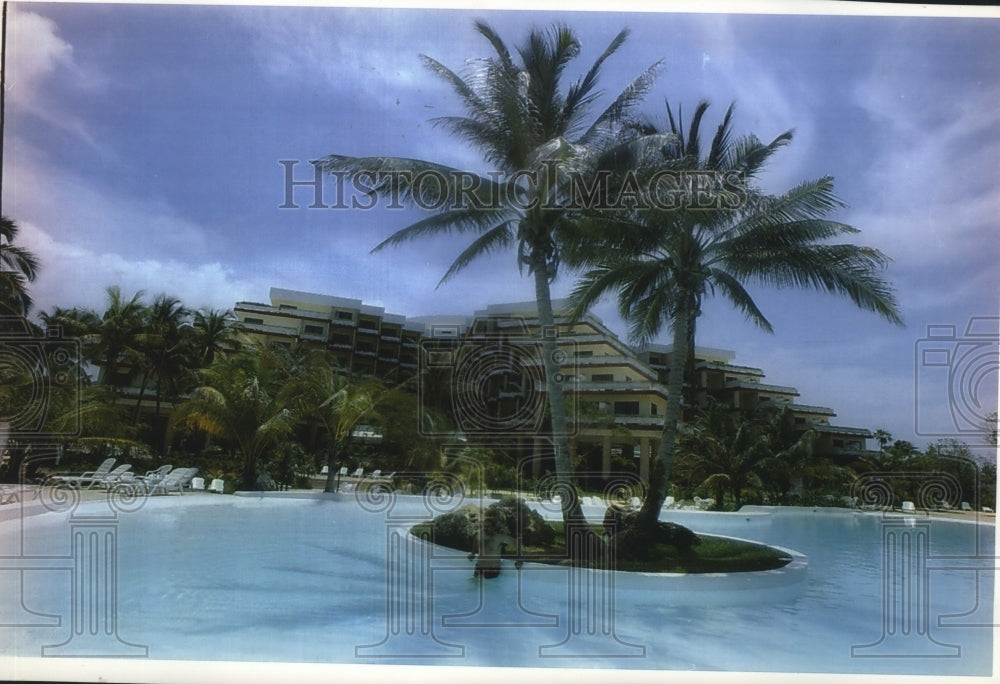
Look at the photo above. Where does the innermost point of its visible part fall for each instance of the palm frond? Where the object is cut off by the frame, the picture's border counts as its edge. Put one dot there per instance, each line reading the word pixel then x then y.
pixel 499 237
pixel 737 295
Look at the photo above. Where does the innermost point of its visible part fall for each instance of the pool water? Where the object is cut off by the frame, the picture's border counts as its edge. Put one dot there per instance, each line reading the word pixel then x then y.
pixel 338 581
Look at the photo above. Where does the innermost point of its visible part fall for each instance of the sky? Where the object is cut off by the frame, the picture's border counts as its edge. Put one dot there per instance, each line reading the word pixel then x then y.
pixel 143 147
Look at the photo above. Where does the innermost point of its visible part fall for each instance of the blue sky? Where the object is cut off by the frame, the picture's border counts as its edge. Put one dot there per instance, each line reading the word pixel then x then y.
pixel 142 148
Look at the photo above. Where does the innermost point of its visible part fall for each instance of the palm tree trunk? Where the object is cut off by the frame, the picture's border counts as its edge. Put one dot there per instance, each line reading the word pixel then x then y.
pixel 138 402
pixel 660 472
pixel 331 468
pixel 557 402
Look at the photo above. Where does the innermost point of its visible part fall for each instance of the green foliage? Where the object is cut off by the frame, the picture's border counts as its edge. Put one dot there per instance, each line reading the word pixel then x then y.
pixel 18 267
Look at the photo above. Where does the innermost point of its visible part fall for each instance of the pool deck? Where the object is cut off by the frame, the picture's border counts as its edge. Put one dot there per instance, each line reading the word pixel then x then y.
pixel 28 500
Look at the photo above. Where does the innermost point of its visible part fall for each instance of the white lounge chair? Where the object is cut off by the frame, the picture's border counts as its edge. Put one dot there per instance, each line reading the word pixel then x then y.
pixel 376 474
pixel 88 476
pixel 218 486
pixel 966 506
pixel 325 470
pixel 175 480
pixel 668 503
pixel 115 476
pixel 908 507
pixel 157 474
pixel 8 494
pixel 987 509
pixel 360 472
pixel 198 483
pixel 343 472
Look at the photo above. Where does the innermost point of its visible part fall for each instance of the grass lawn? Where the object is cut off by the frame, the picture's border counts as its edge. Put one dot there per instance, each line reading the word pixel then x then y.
pixel 713 554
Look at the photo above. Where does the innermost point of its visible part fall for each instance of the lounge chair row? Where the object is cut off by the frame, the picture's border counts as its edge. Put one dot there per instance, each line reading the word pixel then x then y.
pixel 164 479
pixel 964 507
pixel 359 474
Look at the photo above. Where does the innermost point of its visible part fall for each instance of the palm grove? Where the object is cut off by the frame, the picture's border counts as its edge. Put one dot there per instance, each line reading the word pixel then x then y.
pixel 671 216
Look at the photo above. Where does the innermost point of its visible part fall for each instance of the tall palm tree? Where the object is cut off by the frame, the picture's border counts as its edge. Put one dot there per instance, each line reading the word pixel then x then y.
pixel 18 267
pixel 530 128
pixel 164 348
pixel 663 269
pixel 115 340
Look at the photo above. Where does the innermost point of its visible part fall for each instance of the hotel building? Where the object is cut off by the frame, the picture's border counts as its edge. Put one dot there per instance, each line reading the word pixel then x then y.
pixel 486 370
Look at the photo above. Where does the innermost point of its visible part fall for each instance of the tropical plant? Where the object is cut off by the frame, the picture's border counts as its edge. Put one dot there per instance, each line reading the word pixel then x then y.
pixel 114 342
pixel 163 349
pixel 325 393
pixel 18 267
pixel 240 400
pixel 215 333
pixel 665 266
pixel 725 452
pixel 531 130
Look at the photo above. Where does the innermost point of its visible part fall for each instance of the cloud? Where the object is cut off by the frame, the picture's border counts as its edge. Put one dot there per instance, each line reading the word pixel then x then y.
pixel 37 57
pixel 81 212
pixel 73 276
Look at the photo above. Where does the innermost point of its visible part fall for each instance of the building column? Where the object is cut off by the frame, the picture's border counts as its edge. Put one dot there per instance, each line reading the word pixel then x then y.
pixel 644 459
pixel 606 457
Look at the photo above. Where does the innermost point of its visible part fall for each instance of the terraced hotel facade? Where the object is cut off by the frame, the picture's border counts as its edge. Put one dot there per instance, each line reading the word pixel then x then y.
pixel 485 371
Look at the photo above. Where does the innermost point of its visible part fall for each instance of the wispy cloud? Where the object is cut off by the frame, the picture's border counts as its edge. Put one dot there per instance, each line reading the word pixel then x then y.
pixel 38 57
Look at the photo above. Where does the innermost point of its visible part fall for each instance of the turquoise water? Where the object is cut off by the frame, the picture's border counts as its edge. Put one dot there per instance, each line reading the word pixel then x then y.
pixel 302 580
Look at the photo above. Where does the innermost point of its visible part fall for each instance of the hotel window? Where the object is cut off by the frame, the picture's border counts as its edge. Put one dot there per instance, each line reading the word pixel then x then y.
pixel 626 408
pixel 254 321
pixel 313 330
pixel 344 316
pixel 603 377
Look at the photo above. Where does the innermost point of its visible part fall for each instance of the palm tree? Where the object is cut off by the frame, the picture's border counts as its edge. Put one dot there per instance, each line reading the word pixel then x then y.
pixel 726 452
pixel 663 269
pixel 115 340
pixel 240 400
pixel 338 402
pixel 18 267
pixel 164 353
pixel 528 127
pixel 215 334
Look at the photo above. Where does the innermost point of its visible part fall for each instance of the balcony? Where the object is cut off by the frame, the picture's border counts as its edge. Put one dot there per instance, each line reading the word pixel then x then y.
pixel 269 329
pixel 626 387
pixel 735 383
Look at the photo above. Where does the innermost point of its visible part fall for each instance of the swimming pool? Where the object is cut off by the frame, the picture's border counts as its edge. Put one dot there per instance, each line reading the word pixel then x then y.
pixel 322 580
